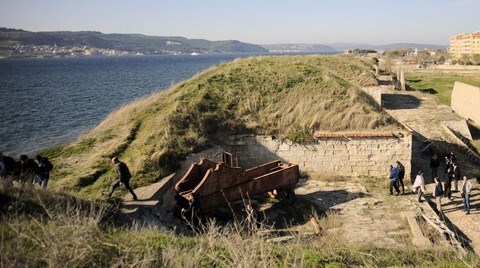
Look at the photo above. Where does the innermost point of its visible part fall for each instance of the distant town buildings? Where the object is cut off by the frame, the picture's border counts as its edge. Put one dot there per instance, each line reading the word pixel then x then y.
pixel 465 44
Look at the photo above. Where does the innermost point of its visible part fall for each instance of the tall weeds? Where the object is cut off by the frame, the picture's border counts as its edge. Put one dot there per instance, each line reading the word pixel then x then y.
pixel 42 228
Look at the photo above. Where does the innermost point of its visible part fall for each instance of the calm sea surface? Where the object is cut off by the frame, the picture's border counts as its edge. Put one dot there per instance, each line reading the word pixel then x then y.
pixel 46 102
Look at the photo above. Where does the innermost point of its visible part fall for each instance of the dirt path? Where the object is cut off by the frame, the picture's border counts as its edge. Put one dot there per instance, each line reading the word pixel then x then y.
pixel 368 218
pixel 424 115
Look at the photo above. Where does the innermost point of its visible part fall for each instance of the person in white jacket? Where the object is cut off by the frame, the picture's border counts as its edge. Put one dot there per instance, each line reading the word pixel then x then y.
pixel 466 189
pixel 419 185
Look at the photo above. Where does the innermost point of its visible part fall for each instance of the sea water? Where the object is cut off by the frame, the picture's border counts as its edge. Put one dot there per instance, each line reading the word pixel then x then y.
pixel 47 102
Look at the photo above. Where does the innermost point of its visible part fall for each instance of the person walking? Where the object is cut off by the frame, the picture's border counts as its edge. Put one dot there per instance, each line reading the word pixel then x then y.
pixel 434 165
pixel 456 176
pixel 393 180
pixel 7 166
pixel 401 175
pixel 124 177
pixel 466 189
pixel 419 185
pixel 438 193
pixel 448 184
pixel 43 170
pixel 26 169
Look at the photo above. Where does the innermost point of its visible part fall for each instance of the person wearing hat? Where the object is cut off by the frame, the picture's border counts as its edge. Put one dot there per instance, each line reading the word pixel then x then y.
pixel 124 177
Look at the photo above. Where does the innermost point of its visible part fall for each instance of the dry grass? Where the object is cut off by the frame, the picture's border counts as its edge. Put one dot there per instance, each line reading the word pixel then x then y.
pixel 41 228
pixel 289 97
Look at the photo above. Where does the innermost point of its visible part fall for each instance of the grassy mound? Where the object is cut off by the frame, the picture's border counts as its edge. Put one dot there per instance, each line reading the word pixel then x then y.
pixel 289 97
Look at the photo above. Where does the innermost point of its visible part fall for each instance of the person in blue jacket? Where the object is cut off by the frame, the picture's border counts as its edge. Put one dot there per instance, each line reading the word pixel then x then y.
pixel 393 180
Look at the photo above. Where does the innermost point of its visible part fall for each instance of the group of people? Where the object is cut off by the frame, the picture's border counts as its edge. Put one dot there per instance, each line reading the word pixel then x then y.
pixel 397 174
pixel 442 188
pixel 37 171
pixel 25 169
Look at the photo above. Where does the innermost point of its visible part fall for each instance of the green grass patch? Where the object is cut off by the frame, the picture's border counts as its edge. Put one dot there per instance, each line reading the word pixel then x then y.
pixel 440 84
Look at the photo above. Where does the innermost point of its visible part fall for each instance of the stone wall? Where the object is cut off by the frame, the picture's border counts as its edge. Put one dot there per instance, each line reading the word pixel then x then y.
pixel 349 154
pixel 466 100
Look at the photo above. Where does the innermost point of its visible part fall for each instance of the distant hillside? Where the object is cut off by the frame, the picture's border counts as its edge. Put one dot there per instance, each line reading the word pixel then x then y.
pixel 124 42
pixel 299 48
pixel 344 46
pixel 289 97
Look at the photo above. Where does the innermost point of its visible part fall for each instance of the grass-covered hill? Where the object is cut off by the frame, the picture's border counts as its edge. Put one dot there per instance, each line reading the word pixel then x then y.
pixel 289 97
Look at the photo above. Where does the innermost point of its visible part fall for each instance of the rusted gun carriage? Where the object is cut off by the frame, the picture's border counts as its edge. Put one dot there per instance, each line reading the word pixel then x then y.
pixel 208 185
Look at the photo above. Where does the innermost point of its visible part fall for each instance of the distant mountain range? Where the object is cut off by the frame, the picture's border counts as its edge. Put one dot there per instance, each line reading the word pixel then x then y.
pixel 299 48
pixel 15 42
pixel 123 42
pixel 340 47
pixel 344 46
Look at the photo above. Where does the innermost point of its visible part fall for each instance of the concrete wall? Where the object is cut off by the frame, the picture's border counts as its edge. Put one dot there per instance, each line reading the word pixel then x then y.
pixel 466 101
pixel 350 156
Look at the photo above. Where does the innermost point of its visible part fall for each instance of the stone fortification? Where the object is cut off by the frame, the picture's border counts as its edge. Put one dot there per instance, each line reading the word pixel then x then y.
pixel 466 100
pixel 349 154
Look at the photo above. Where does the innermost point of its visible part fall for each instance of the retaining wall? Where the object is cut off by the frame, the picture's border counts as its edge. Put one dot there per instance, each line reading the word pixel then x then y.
pixel 351 154
pixel 466 100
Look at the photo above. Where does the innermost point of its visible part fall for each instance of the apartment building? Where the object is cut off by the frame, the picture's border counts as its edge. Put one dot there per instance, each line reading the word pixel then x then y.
pixel 464 44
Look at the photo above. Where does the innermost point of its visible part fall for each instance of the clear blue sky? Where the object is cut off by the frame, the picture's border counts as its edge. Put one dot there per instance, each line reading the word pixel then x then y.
pixel 260 21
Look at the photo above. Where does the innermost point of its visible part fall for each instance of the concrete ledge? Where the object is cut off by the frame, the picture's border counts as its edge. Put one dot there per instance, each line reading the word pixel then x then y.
pixel 418 239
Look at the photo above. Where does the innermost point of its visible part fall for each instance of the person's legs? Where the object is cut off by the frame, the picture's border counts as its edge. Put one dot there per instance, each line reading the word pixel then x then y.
pixel 466 202
pixel 455 185
pixel 44 183
pixel 434 172
pixel 391 187
pixel 113 187
pixel 419 194
pixel 448 190
pixel 439 203
pixel 127 185
pixel 403 186
pixel 395 185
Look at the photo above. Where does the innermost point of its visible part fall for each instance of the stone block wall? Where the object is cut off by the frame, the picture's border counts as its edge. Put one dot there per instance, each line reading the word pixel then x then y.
pixel 343 154
pixel 466 100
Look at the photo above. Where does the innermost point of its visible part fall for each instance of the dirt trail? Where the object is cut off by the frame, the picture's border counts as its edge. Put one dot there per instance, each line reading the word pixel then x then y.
pixel 424 114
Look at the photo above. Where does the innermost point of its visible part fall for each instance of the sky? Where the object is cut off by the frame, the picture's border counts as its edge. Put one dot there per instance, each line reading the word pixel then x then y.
pixel 259 22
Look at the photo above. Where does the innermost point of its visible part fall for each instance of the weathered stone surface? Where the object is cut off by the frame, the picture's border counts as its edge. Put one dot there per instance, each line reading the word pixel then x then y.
pixel 368 155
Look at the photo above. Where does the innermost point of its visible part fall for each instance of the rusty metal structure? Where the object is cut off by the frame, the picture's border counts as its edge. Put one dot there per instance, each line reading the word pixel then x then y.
pixel 208 185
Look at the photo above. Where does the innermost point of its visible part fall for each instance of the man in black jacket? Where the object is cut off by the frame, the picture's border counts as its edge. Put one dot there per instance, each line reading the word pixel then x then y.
pixel 43 170
pixel 456 176
pixel 7 166
pixel 26 169
pixel 124 177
